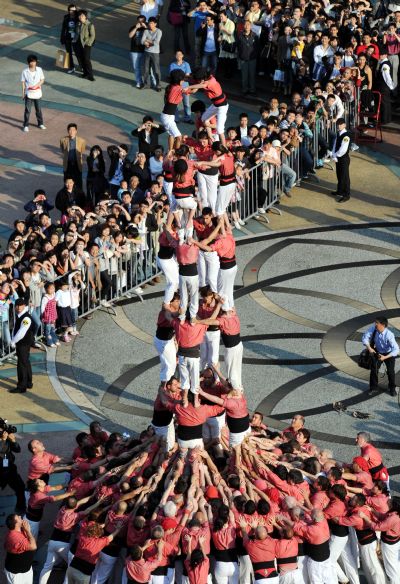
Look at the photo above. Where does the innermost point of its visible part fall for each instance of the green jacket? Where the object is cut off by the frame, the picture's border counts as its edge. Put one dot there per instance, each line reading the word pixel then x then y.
pixel 87 34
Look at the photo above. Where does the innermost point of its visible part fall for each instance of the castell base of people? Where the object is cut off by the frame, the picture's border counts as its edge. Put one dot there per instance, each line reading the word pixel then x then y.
pixel 199 292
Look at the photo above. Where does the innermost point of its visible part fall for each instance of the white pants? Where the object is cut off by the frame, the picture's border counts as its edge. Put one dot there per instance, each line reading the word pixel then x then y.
pixel 221 113
pixel 167 353
pixel 371 565
pixel 292 577
pixel 208 189
pixel 170 270
pixel 167 432
pixel 225 194
pixel 233 365
pixel 168 186
pixel 194 443
pixel 302 564
pixel 55 551
pixel 34 527
pixel 321 572
pixel 268 580
pixel 168 121
pixel 189 373
pixel 104 567
pixel 340 549
pixel 209 349
pixel 236 438
pixel 226 282
pixel 189 291
pixel 226 572
pixel 246 573
pixel 25 578
pixel 212 427
pixel 162 579
pixel 391 561
pixel 208 266
pixel 186 203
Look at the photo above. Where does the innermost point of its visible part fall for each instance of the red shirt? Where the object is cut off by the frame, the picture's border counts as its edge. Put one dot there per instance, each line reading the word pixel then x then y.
pixel 378 502
pixel 89 548
pixel 227 170
pixel 371 455
pixel 225 538
pixel 201 152
pixel 38 500
pixel 213 91
pixel 99 439
pixel 236 407
pixel 187 179
pixel 336 508
pixel 16 542
pixel 81 488
pixel 136 536
pixel 225 246
pixel 354 520
pixel 286 548
pixel 315 533
pixel 202 231
pixel 363 49
pixel 229 324
pixel 173 94
pixel 319 500
pixel 390 525
pixel 67 519
pixel 191 416
pixel 41 463
pixel 205 311
pixel 165 241
pixel 364 481
pixel 196 533
pixel 261 551
pixel 140 570
pixel 188 335
pixel 187 254
pixel 199 574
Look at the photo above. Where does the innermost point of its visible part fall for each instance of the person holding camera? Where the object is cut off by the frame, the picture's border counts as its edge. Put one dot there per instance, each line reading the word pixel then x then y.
pixel 39 204
pixel 8 469
pixel 20 546
pixel 381 343
pixel 22 338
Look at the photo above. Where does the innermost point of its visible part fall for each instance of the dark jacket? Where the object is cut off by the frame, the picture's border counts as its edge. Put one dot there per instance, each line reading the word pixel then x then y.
pixel 247 46
pixel 101 167
pixel 31 206
pixel 143 174
pixel 64 199
pixel 145 147
pixel 202 33
pixel 64 36
pixel 113 153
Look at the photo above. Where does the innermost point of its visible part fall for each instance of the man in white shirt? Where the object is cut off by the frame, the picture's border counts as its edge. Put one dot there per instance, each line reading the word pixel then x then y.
pixel 32 79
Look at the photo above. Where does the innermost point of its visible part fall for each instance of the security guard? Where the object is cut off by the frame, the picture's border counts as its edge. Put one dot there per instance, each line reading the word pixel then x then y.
pixel 341 155
pixel 22 339
pixel 384 84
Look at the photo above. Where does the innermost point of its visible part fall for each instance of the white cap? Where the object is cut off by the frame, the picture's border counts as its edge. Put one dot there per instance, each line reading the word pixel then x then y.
pixel 276 143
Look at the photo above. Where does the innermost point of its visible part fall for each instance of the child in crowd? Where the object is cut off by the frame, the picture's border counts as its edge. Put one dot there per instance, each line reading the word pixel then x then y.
pixel 63 298
pixel 49 314
pixel 76 285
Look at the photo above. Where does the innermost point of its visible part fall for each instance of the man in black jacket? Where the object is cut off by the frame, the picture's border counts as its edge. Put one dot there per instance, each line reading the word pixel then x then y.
pixel 68 33
pixel 8 469
pixel 247 52
pixel 147 135
pixel 120 167
pixel 208 33
pixel 69 196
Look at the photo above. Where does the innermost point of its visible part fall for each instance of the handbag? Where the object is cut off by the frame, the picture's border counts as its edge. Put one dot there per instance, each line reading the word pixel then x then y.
pixel 365 358
pixel 228 47
pixel 279 75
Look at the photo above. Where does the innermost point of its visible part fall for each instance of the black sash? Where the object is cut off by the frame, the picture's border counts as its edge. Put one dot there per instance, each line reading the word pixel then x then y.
pixel 165 252
pixel 193 352
pixel 389 539
pixel 19 563
pixel 338 530
pixel 365 536
pixel 188 269
pixel 318 552
pixel 225 555
pixel 376 469
pixel 83 566
pixel 161 418
pixel 190 432
pixel 59 535
pixel 164 333
pixel 230 340
pixel 227 263
pixel 237 425
pixel 289 560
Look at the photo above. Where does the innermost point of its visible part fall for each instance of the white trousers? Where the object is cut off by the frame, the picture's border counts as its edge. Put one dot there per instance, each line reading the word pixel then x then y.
pixel 167 432
pixel 168 186
pixel 226 572
pixel 103 570
pixel 212 427
pixel 246 573
pixel 208 267
pixel 226 282
pixel 371 565
pixel 302 564
pixel 189 373
pixel 167 353
pixel 236 438
pixel 225 194
pixel 162 579
pixel 169 123
pixel 268 580
pixel 208 190
pixel 189 291
pixel 391 561
pixel 221 113
pixel 321 572
pixel 340 550
pixel 55 550
pixel 233 365
pixel 292 577
pixel 25 578
pixel 194 443
pixel 186 203
pixel 170 270
pixel 209 349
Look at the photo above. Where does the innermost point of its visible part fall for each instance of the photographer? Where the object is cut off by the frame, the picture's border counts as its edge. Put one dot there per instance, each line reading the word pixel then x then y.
pixel 8 469
pixel 38 205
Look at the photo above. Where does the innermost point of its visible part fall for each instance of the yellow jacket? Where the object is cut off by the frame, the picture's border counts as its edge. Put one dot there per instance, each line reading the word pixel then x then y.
pixel 80 150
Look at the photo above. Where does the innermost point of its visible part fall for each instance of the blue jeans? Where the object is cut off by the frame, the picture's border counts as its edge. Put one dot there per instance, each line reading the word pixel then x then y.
pixel 35 315
pixel 50 334
pixel 74 313
pixel 5 337
pixel 137 60
pixel 186 108
pixel 209 61
pixel 288 178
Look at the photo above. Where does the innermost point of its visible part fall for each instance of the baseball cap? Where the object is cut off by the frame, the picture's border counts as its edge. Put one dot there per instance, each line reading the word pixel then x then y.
pixel 276 143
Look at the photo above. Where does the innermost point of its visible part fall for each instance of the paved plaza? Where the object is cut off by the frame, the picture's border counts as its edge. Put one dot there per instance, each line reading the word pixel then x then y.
pixel 309 281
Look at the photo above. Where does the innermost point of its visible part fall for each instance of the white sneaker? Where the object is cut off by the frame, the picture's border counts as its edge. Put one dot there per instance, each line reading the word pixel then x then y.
pixel 138 290
pixel 53 346
pixel 241 222
pixel 25 129
pixel 42 127
pixel 105 303
pixel 237 225
pixel 74 333
pixel 261 211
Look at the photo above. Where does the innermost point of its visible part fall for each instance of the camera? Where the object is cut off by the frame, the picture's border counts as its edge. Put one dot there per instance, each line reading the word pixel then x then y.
pixel 6 427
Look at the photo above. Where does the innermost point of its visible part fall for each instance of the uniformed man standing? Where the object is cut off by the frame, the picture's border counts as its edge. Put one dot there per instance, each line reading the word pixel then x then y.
pixel 341 155
pixel 384 84
pixel 22 339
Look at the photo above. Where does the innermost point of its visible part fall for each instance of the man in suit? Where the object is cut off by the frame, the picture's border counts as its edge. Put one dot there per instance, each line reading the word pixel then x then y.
pixel 120 167
pixel 147 135
pixel 73 148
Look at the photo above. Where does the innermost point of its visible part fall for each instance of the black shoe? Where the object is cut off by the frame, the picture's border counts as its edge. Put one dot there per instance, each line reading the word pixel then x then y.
pixel 16 390
pixel 392 392
pixel 372 391
pixel 334 193
pixel 158 89
pixel 29 386
pixel 342 199
pixel 90 78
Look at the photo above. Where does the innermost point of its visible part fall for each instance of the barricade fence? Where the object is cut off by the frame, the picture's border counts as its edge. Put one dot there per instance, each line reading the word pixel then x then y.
pixel 115 274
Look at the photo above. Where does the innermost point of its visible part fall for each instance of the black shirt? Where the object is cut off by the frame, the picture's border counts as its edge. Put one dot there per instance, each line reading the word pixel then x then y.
pixel 136 40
